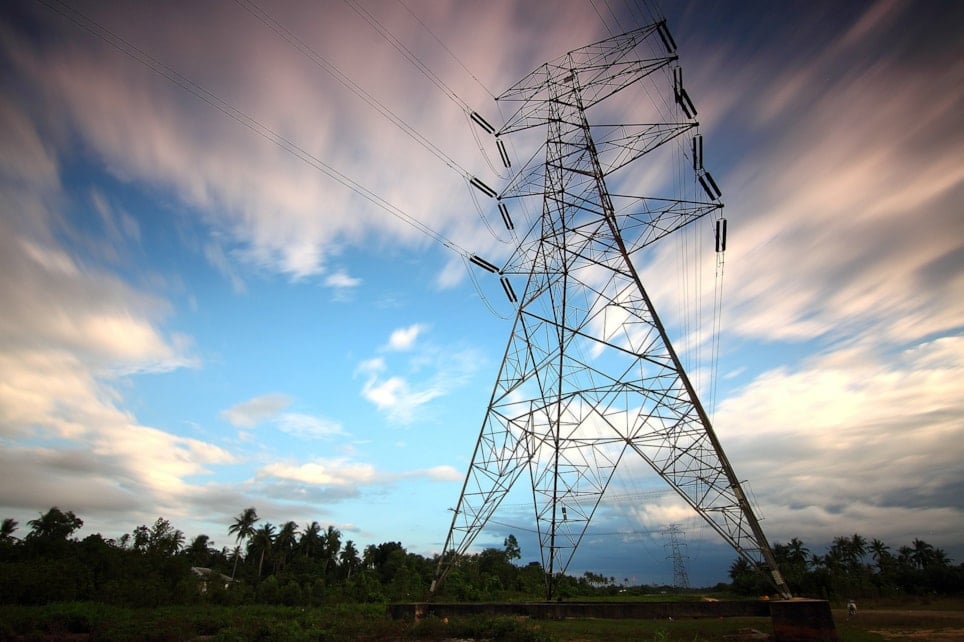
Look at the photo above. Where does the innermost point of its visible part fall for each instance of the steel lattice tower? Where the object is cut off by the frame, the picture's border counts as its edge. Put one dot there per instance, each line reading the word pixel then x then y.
pixel 589 377
pixel 680 579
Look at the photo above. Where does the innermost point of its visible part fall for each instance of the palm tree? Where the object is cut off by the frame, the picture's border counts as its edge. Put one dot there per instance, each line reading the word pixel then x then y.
pixel 54 524
pixel 332 542
pixel 7 529
pixel 858 547
pixel 880 552
pixel 242 529
pixel 261 543
pixel 310 540
pixel 905 555
pixel 940 559
pixel 349 558
pixel 200 550
pixel 797 553
pixel 922 553
pixel 284 544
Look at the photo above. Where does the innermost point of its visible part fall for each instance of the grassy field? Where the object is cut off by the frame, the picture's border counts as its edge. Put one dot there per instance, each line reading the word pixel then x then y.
pixel 81 622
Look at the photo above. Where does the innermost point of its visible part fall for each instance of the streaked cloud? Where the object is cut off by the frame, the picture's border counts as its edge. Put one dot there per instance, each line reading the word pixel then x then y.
pixel 256 410
pixel 837 144
pixel 308 426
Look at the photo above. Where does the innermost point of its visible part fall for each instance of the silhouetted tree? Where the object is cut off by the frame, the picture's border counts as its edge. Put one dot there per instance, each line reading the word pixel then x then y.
pixel 7 529
pixel 242 529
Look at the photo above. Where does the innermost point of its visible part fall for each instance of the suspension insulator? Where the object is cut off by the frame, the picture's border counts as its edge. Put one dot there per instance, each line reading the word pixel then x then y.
pixel 684 101
pixel 507 287
pixel 721 235
pixel 666 37
pixel 503 153
pixel 482 187
pixel 505 216
pixel 682 98
pixel 716 188
pixel 706 186
pixel 697 152
pixel 483 123
pixel 482 263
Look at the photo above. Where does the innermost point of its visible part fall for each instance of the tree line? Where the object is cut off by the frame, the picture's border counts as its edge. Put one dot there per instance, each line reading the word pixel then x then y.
pixel 853 567
pixel 311 565
pixel 267 563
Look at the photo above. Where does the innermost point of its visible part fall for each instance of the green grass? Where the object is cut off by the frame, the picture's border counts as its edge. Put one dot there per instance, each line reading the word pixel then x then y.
pixel 688 630
pixel 369 622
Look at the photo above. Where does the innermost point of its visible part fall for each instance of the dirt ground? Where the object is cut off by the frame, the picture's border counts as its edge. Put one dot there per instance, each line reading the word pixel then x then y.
pixel 906 624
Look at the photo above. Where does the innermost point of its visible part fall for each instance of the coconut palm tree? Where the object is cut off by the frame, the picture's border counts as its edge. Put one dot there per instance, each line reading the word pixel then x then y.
pixel 200 550
pixel 261 544
pixel 310 542
pixel 858 547
pixel 923 553
pixel 284 544
pixel 7 529
pixel 54 524
pixel 242 529
pixel 332 545
pixel 797 553
pixel 940 559
pixel 349 558
pixel 880 552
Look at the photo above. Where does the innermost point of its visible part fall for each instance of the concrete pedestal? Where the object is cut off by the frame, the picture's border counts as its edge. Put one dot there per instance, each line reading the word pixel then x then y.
pixel 800 620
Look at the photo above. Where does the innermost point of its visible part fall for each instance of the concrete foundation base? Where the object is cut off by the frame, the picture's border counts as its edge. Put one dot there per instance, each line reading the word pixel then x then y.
pixel 802 620
pixel 794 620
pixel 565 610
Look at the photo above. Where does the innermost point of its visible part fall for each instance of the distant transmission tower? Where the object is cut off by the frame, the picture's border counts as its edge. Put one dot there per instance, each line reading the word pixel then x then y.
pixel 589 377
pixel 680 579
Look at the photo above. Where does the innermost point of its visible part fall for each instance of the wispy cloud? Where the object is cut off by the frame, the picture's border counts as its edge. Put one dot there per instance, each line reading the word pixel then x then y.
pixel 344 472
pixel 256 410
pixel 429 373
pixel 308 426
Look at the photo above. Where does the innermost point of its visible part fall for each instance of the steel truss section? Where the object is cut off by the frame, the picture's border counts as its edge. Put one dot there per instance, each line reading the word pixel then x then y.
pixel 589 377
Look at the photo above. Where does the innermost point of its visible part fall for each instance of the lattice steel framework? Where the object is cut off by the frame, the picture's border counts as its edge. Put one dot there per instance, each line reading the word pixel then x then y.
pixel 589 377
pixel 676 545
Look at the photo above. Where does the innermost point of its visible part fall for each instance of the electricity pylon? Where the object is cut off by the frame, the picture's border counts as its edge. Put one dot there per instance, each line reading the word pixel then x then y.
pixel 589 377
pixel 680 580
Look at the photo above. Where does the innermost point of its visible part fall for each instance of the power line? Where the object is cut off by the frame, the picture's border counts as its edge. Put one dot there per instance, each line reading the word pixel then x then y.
pixel 306 50
pixel 407 53
pixel 126 47
pixel 449 51
pixel 264 17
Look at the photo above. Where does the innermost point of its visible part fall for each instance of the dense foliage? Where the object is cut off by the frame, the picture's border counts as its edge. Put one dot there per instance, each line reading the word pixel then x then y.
pixel 267 564
pixel 854 567
pixel 311 566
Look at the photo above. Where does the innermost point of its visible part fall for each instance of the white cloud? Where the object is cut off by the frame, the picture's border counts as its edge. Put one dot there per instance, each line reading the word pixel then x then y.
pixel 346 472
pixel 69 334
pixel 404 338
pixel 430 373
pixel 341 279
pixel 322 472
pixel 215 255
pixel 256 410
pixel 851 438
pixel 438 473
pixel 308 426
pixel 841 229
pixel 54 398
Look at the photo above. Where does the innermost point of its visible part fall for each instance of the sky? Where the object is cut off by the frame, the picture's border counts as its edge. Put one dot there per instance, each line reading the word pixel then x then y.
pixel 199 315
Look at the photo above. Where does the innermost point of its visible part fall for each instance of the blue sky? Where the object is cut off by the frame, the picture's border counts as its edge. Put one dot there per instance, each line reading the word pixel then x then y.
pixel 196 320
